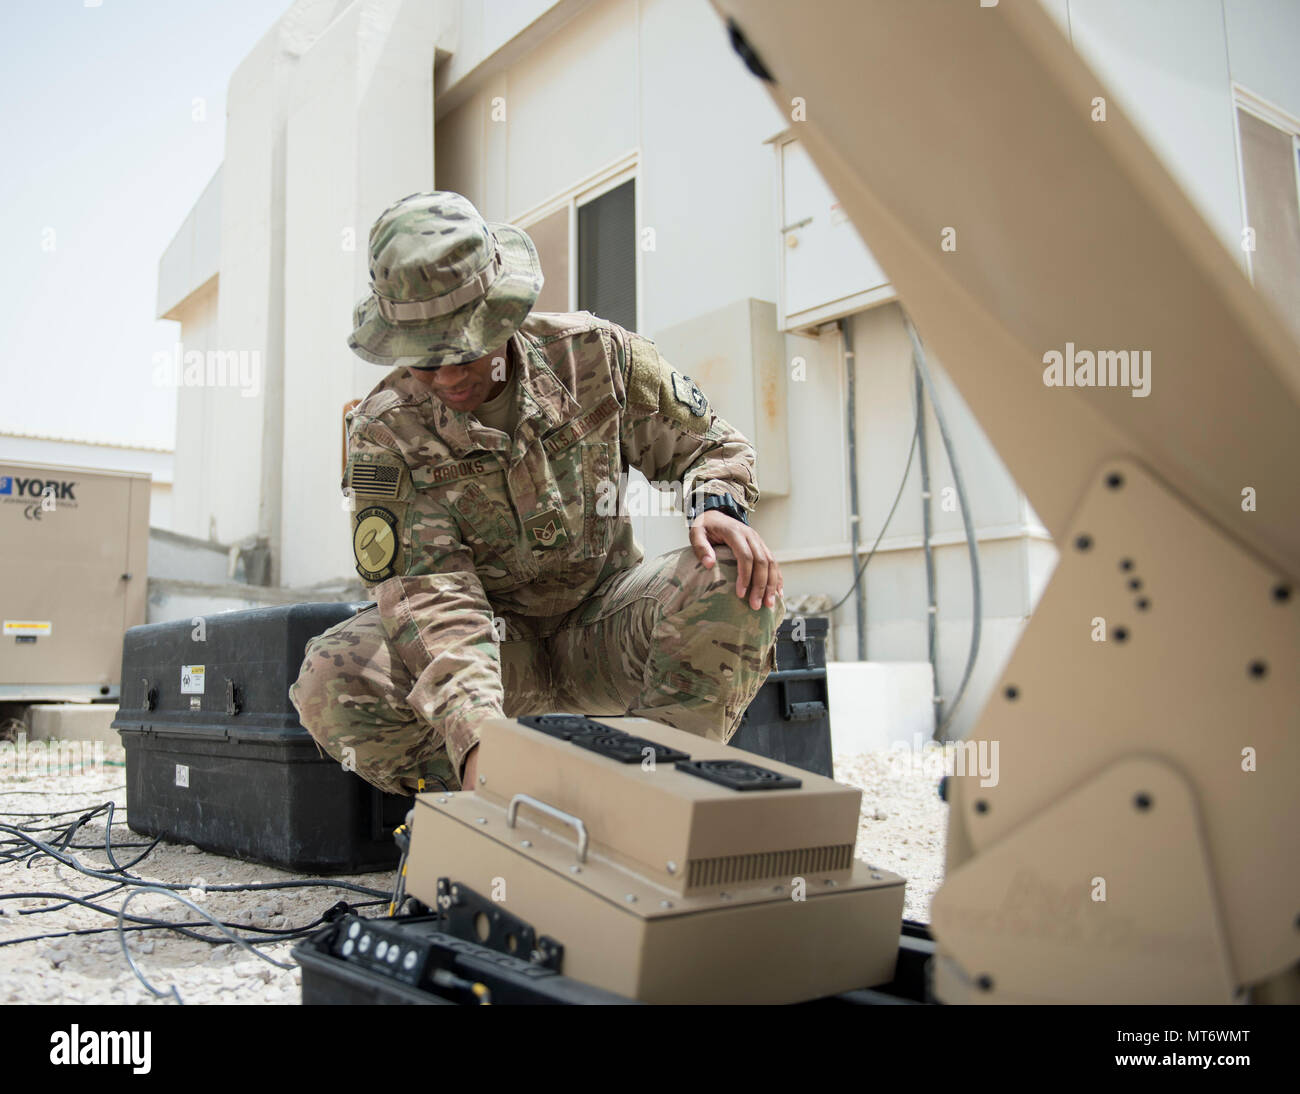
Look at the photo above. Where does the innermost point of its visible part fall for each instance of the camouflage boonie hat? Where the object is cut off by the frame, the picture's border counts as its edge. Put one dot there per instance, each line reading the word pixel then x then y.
pixel 448 286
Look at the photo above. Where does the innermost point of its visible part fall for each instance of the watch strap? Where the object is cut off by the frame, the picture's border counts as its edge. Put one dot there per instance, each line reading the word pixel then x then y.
pixel 702 503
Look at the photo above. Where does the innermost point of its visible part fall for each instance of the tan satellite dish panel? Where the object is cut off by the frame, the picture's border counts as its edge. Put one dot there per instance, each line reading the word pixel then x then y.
pixel 1180 734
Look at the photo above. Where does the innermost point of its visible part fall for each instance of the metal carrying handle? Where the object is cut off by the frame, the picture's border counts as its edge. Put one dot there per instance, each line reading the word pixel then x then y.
pixel 807 711
pixel 568 818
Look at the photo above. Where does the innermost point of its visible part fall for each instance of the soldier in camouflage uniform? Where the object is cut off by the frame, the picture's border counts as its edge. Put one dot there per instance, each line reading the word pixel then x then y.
pixel 500 557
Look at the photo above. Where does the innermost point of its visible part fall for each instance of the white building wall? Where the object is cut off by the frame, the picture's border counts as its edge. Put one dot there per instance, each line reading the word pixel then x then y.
pixel 250 297
pixel 1262 39
pixel 160 505
pixel 560 127
pixel 1171 63
pixel 188 274
pixel 1166 62
pixel 199 425
pixel 360 136
pixel 193 257
pixel 244 454
pixel 473 31
pixel 709 183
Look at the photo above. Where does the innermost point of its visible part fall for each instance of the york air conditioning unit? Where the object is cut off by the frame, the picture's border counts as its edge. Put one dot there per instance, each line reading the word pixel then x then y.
pixel 73 547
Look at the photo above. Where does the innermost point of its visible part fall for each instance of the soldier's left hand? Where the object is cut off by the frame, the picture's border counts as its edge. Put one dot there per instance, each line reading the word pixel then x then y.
pixel 760 578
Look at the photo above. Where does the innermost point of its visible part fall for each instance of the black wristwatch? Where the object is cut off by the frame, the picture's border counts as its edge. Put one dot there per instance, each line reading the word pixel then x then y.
pixel 702 503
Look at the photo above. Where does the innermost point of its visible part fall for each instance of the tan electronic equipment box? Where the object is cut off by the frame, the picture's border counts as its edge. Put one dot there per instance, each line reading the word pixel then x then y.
pixel 731 882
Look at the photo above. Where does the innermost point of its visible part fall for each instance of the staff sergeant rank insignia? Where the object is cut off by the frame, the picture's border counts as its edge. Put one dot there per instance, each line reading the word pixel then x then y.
pixel 545 529
pixel 374 542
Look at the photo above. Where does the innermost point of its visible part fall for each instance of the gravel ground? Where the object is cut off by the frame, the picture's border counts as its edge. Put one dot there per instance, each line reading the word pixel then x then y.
pixel 904 824
pixel 91 968
pixel 902 828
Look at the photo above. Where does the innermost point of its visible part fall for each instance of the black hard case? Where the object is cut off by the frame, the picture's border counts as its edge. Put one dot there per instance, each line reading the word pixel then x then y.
pixel 258 786
pixel 789 719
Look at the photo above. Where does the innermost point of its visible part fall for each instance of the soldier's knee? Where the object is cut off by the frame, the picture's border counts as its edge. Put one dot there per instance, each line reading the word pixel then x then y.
pixel 711 602
pixel 729 569
pixel 313 710
pixel 316 692
pixel 304 693
pixel 696 579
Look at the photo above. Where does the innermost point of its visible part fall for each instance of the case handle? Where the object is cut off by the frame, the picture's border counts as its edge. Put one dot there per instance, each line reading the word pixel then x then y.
pixel 568 818
pixel 800 712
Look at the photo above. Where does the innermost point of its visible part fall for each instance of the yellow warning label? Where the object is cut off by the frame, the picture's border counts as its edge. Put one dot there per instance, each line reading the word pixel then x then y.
pixel 192 678
pixel 27 626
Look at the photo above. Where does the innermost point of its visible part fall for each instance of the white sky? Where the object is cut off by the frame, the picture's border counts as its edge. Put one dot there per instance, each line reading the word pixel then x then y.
pixel 98 142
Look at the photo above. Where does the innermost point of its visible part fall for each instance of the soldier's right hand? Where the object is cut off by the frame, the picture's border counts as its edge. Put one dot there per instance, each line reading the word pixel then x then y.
pixel 760 579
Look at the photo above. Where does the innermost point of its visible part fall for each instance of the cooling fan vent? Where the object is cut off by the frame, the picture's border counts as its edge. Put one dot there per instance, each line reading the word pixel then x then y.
pixel 764 865
pixel 738 775
pixel 627 749
pixel 600 738
pixel 565 726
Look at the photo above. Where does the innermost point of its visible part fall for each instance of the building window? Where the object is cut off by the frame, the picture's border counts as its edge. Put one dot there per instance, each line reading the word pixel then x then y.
pixel 1270 172
pixel 607 255
pixel 587 242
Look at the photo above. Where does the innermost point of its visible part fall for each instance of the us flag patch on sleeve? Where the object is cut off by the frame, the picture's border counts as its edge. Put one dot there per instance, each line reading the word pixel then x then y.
pixel 375 480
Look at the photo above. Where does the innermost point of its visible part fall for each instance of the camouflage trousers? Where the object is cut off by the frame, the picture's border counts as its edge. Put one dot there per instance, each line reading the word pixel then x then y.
pixel 666 640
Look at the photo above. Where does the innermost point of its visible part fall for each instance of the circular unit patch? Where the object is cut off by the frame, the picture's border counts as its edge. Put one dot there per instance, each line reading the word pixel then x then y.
pixel 374 542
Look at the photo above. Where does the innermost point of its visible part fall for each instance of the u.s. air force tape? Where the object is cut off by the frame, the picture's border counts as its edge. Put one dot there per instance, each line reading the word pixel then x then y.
pixel 374 542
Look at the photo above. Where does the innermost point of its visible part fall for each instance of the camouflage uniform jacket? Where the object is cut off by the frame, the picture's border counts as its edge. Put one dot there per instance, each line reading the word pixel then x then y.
pixel 455 524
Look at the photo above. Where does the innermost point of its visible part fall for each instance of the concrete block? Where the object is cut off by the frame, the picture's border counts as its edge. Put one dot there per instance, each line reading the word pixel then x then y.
pixel 878 704
pixel 73 722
